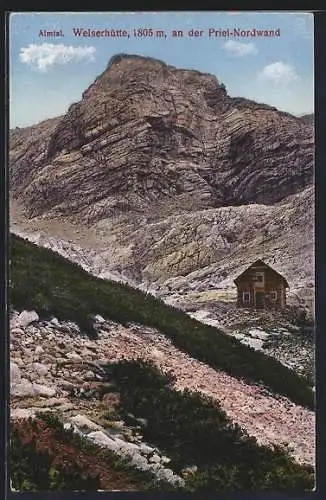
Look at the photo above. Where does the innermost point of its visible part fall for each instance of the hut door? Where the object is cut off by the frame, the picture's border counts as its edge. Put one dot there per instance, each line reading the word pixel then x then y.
pixel 259 300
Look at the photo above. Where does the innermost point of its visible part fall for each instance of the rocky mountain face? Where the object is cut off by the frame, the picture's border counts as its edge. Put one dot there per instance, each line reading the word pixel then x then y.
pixel 170 180
pixel 150 138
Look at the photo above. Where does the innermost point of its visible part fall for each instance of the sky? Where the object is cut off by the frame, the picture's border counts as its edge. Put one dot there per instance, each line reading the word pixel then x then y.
pixel 48 74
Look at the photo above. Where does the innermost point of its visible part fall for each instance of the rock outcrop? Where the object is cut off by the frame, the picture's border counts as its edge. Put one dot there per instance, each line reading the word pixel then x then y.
pixel 153 139
pixel 170 180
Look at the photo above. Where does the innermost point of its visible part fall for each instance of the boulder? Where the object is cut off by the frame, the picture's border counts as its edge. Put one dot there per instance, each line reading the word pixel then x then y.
pixel 15 374
pixel 99 319
pixel 44 390
pixel 39 350
pixel 74 356
pixel 41 369
pixel 145 449
pixel 101 439
pixel 55 322
pixel 26 318
pixel 23 388
pixel 84 423
pixel 24 413
pixel 155 459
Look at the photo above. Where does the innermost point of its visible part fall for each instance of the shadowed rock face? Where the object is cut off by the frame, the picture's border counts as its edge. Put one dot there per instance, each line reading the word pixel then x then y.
pixel 152 139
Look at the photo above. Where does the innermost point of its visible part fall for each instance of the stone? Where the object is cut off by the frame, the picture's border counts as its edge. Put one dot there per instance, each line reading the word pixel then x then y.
pixel 23 388
pixel 101 439
pixel 17 332
pixel 15 374
pixel 55 322
pixel 89 375
pixel 59 402
pixel 41 369
pixel 65 384
pixel 26 318
pixel 68 426
pixel 140 462
pixel 155 459
pixel 21 413
pixel 43 390
pixel 146 449
pixel 85 423
pixel 19 362
pixel 99 319
pixel 39 350
pixel 74 356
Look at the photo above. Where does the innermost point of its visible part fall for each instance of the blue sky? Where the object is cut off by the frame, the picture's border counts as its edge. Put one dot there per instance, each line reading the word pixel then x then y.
pixel 47 74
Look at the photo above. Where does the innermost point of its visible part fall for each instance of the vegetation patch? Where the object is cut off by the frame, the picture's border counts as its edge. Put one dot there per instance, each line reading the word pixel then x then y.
pixel 193 431
pixel 42 280
pixel 44 456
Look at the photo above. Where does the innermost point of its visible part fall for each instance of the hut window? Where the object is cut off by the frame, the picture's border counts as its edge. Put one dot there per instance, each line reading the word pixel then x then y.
pixel 258 277
pixel 273 295
pixel 246 296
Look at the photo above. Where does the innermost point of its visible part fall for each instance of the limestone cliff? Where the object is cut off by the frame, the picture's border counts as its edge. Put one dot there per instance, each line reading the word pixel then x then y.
pixel 177 179
pixel 150 138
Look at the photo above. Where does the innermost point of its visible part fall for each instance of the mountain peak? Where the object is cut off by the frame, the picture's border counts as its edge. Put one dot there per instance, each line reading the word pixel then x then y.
pixel 153 139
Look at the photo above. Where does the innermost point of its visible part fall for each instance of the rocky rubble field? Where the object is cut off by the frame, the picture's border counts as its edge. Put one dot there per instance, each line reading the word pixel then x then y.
pixel 55 366
pixel 267 331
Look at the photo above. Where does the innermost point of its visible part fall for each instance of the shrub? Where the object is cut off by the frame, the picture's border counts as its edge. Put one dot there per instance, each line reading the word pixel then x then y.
pixel 192 429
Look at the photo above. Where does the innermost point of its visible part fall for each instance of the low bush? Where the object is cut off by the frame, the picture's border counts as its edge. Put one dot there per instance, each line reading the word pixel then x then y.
pixel 194 430
pixel 32 469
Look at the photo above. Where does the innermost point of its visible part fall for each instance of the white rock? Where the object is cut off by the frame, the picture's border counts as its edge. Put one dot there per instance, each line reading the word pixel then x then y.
pixel 99 319
pixel 44 390
pixel 16 413
pixel 74 356
pixel 101 439
pixel 84 422
pixel 15 374
pixel 17 331
pixel 255 343
pixel 68 426
pixel 41 369
pixel 55 322
pixel 39 349
pixel 126 446
pixel 258 333
pixel 19 362
pixel 23 388
pixel 140 462
pixel 155 459
pixel 144 448
pixel 26 318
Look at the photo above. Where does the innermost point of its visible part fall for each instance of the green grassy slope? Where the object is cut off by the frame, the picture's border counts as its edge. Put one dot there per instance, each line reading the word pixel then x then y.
pixel 42 280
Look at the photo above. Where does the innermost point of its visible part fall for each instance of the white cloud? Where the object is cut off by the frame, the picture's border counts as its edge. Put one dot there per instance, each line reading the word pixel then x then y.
pixel 279 73
pixel 45 55
pixel 240 49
